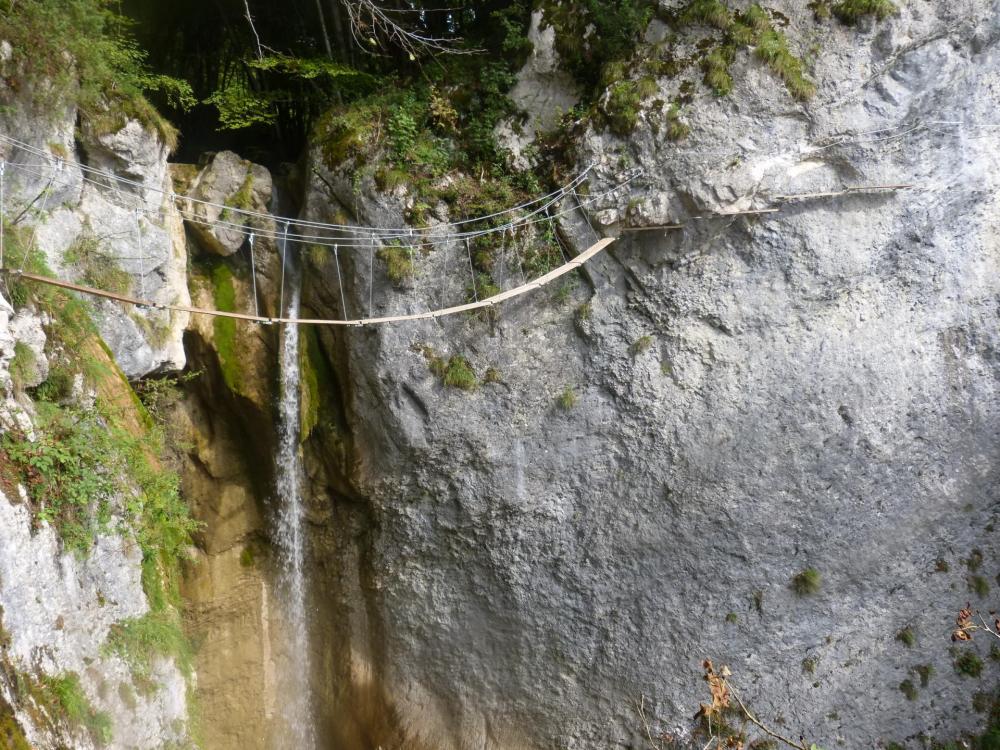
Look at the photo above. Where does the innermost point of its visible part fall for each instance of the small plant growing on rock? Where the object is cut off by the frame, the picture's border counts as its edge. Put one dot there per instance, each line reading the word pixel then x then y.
pixel 852 11
pixel 979 586
pixel 640 345
pixel 732 618
pixel 567 399
pixel 924 672
pixel 906 637
pixel 907 688
pixel 676 130
pixel 458 373
pixel 492 375
pixel 968 664
pixel 398 264
pixel 806 582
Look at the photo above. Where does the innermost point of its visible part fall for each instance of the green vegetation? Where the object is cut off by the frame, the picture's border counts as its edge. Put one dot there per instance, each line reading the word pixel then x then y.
pixel 941 565
pixel 809 665
pixel 676 130
pixel 98 269
pixel 398 263
pixel 224 329
pixel 567 399
pixel 455 372
pixel 852 11
pixel 82 461
pixel 907 688
pixel 907 637
pixel 108 77
pixel 492 375
pixel 924 672
pixel 64 697
pixel 978 585
pixel 732 618
pixel 975 560
pixel 772 48
pixel 247 557
pixel 22 366
pixel 968 664
pixel 640 345
pixel 806 582
pixel 158 633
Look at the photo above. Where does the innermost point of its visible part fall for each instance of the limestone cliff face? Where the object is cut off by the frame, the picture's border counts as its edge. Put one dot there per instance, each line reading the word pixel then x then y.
pixel 58 609
pixel 756 395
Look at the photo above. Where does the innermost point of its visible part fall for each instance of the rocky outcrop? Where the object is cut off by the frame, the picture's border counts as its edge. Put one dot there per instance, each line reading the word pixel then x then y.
pixel 754 396
pixel 123 237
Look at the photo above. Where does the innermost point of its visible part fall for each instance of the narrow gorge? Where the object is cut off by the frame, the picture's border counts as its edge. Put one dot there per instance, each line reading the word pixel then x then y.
pixel 719 467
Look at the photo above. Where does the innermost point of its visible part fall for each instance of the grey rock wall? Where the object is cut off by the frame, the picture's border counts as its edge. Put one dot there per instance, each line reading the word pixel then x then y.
pixel 819 389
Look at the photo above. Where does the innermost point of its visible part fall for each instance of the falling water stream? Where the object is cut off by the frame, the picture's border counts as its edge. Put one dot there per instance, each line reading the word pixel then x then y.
pixel 296 726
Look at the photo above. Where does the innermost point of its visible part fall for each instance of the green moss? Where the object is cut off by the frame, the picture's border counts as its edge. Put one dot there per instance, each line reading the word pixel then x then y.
pixel 567 399
pixel 907 688
pixel 492 375
pixel 906 637
pixel 806 582
pixel 224 329
pixel 968 664
pixel 247 557
pixel 809 665
pixel 732 618
pixel 318 383
pixel 243 197
pixel 458 373
pixel 852 11
pixel 398 263
pixel 584 312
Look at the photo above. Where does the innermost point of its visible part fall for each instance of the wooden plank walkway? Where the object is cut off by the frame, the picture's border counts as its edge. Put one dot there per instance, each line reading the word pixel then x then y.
pixel 562 270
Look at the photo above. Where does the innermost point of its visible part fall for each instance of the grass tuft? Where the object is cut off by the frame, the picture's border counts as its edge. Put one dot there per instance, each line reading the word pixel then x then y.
pixel 806 582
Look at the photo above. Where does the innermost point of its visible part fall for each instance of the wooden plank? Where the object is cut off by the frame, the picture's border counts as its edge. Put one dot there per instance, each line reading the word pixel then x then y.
pixel 576 262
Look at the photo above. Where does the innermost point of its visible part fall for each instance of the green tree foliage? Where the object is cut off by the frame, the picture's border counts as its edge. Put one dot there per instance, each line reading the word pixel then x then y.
pixel 107 76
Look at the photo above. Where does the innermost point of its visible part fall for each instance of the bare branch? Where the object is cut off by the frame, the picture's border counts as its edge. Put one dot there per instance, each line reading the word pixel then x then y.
pixel 762 727
pixel 372 26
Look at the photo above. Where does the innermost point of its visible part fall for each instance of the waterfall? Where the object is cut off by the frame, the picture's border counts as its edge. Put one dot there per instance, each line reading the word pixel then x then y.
pixel 295 729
